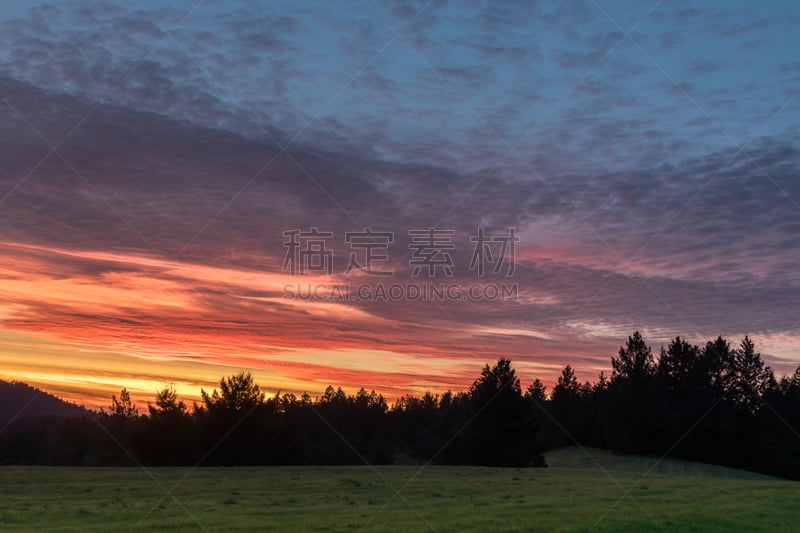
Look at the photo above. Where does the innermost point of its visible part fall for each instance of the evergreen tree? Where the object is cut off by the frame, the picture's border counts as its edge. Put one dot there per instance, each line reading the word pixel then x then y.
pixel 749 376
pixel 500 430
pixel 633 411
pixel 237 395
pixel 167 404
pixel 123 407
pixel 635 360
pixel 235 421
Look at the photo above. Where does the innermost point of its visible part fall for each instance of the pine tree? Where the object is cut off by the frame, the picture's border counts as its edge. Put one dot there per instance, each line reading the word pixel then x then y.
pixel 635 360
pixel 123 407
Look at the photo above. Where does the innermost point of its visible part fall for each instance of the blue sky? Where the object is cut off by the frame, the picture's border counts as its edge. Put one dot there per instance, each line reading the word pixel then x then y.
pixel 621 83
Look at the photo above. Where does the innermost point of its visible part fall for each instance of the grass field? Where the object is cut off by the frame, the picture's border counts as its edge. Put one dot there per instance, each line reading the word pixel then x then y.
pixel 574 494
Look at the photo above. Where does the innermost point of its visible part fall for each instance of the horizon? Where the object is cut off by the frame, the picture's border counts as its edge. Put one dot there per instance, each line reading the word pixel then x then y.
pixel 189 190
pixel 193 396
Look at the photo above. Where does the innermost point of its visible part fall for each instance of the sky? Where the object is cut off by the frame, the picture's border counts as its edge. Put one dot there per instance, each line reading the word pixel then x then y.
pixel 631 166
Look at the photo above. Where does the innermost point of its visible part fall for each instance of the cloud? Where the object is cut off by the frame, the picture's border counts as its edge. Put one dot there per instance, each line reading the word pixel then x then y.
pixel 161 229
pixel 157 182
pixel 247 68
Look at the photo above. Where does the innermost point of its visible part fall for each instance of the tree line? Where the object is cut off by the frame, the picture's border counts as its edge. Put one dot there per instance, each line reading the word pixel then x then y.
pixel 715 403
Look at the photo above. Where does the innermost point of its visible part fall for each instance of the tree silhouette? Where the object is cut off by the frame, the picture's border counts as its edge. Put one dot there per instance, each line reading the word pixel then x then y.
pixel 500 430
pixel 121 420
pixel 635 360
pixel 537 391
pixel 714 404
pixel 167 404
pixel 679 363
pixel 567 386
pixel 170 437
pixel 749 376
pixel 633 403
pixel 123 407
pixel 234 421
pixel 717 365
pixel 237 395
pixel 498 379
pixel 566 408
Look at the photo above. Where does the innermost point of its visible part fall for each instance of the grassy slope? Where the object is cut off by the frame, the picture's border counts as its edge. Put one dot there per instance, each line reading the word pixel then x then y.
pixel 575 494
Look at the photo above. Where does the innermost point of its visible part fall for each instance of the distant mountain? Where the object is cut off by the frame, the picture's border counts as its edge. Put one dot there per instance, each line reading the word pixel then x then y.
pixel 18 398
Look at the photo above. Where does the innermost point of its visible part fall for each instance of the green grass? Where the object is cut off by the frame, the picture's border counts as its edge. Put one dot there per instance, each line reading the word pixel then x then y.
pixel 574 494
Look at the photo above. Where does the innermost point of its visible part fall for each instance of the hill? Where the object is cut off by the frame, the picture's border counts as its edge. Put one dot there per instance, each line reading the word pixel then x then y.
pixel 593 459
pixel 19 400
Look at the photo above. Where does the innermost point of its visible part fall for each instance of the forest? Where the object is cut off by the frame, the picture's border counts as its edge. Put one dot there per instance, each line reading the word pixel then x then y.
pixel 717 403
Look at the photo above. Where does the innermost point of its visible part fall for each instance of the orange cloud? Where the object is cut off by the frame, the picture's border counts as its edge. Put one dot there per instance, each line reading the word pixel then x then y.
pixel 109 320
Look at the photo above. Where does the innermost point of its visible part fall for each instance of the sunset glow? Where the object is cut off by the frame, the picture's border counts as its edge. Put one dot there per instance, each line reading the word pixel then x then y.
pixel 155 158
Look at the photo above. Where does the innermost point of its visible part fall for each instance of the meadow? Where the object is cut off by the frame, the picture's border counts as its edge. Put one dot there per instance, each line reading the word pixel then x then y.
pixel 581 490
